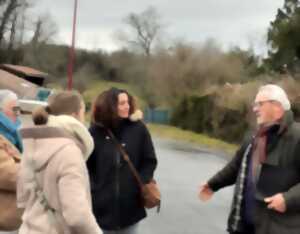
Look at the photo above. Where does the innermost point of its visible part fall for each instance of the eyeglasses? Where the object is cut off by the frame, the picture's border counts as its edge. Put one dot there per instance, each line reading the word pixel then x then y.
pixel 261 103
pixel 16 110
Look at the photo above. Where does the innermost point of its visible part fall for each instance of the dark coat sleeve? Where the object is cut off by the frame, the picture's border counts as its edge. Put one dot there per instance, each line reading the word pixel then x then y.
pixel 292 196
pixel 91 162
pixel 148 157
pixel 228 175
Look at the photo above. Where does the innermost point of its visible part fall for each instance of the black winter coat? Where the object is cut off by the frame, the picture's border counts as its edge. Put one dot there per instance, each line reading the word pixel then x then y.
pixel 115 193
pixel 283 151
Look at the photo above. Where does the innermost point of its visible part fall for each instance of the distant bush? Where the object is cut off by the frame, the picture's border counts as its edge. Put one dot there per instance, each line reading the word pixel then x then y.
pixel 225 111
pixel 203 115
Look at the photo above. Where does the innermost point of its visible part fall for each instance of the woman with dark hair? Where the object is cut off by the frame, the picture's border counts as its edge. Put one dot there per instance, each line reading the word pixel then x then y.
pixel 115 192
pixel 53 186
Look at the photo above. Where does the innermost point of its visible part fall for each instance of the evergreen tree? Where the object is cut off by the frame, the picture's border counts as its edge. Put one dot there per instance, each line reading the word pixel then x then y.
pixel 284 38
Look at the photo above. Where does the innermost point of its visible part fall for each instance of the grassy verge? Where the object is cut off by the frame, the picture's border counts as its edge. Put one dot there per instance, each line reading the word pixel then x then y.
pixel 191 137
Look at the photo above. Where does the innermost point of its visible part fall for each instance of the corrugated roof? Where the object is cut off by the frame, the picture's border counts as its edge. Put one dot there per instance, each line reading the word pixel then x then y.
pixel 24 89
pixel 28 71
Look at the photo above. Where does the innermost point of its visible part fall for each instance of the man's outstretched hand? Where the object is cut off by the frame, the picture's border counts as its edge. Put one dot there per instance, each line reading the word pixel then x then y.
pixel 205 192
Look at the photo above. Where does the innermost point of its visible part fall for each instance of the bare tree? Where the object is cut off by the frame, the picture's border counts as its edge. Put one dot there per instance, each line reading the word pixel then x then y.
pixel 9 10
pixel 2 2
pixel 12 33
pixel 146 27
pixel 23 21
pixel 44 30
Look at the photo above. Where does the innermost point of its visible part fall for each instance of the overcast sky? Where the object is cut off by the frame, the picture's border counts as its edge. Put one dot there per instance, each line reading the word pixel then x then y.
pixel 231 22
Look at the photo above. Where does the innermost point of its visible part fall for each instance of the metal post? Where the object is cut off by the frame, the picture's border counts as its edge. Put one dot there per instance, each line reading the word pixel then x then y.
pixel 72 53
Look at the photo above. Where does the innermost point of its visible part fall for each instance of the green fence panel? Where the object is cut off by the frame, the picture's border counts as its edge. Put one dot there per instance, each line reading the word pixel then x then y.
pixel 157 116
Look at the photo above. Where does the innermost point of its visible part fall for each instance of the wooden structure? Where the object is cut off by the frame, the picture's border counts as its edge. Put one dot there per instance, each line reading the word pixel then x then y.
pixel 23 88
pixel 30 74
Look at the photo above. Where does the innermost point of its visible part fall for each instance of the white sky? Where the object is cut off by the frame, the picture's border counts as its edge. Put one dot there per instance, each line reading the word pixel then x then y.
pixel 230 22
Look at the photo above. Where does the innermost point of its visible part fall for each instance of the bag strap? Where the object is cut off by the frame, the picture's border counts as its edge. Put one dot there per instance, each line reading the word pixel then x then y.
pixel 130 164
pixel 126 158
pixel 44 202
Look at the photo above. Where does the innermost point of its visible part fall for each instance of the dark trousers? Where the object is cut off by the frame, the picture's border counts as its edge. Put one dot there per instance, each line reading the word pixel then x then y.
pixel 243 232
pixel 249 230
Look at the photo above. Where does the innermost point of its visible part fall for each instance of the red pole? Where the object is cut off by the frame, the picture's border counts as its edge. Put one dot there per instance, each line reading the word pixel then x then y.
pixel 72 53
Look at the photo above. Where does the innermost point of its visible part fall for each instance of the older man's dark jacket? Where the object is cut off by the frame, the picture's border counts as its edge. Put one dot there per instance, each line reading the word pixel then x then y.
pixel 283 151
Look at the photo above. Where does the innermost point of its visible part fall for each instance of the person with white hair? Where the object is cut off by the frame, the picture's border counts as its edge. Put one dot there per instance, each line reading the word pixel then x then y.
pixel 265 171
pixel 10 155
pixel 9 121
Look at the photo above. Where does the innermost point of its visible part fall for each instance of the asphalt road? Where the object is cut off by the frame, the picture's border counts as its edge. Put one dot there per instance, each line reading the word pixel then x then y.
pixel 180 171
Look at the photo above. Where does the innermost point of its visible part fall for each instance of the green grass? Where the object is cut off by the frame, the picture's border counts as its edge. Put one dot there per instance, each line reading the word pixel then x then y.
pixel 191 137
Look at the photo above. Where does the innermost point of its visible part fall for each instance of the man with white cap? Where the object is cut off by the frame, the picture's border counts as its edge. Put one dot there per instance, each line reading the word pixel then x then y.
pixel 265 171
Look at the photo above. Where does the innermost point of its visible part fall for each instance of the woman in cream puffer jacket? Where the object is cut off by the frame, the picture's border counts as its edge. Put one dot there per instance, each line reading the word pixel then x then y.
pixel 53 185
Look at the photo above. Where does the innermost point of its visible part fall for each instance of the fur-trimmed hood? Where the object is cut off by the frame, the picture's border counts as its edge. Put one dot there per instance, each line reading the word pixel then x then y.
pixel 76 128
pixel 136 116
pixel 53 175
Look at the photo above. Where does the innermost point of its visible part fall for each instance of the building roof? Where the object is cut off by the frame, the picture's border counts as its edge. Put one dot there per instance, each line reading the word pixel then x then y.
pixel 28 71
pixel 23 88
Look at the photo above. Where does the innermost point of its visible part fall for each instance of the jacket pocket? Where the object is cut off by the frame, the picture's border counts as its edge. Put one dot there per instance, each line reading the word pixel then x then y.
pixel 287 219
